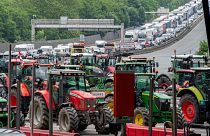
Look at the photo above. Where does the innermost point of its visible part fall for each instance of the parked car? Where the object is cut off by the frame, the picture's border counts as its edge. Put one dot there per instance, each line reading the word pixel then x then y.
pixel 159 40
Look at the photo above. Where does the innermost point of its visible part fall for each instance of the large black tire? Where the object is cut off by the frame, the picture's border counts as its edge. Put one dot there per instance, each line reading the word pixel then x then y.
pixel 144 113
pixel 180 119
pixel 105 118
pixel 163 79
pixel 41 113
pixel 22 120
pixel 68 119
pixel 190 98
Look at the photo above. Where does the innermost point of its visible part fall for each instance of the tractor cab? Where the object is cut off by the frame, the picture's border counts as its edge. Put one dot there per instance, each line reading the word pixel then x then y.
pixel 202 79
pixel 138 64
pixel 86 59
pixel 184 77
pixel 187 61
pixel 78 48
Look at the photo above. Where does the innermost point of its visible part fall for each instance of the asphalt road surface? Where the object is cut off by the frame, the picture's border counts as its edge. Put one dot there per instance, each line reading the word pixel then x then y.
pixel 188 44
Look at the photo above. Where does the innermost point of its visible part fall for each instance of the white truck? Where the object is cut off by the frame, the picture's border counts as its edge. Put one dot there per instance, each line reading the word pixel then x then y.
pixel 100 44
pixel 46 49
pixel 24 49
pixel 131 36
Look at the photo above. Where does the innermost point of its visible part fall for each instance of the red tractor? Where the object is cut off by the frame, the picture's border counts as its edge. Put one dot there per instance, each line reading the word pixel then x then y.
pixel 73 109
pixel 22 69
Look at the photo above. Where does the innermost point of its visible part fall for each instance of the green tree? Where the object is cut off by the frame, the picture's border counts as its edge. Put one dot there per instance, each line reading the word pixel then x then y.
pixel 203 50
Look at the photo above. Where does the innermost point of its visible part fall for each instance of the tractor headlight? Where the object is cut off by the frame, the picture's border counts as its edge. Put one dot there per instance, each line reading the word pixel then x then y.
pixel 165 105
pixel 162 100
pixel 3 106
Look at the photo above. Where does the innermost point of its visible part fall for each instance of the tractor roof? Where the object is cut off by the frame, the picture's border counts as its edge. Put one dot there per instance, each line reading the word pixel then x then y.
pixel 201 69
pixel 145 74
pixel 82 54
pixel 66 72
pixel 66 66
pixel 102 55
pixel 185 71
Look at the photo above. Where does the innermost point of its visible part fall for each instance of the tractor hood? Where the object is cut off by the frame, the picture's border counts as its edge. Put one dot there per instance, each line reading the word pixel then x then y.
pixel 2 100
pixel 82 94
pixel 162 96
pixel 158 95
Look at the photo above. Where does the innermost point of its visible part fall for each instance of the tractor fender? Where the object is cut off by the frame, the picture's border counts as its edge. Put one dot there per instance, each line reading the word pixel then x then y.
pixel 191 90
pixel 67 104
pixel 45 95
pixel 23 89
pixel 108 80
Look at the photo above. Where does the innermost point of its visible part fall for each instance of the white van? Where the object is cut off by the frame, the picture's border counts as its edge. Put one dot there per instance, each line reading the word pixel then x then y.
pixel 100 46
pixel 24 48
pixel 47 49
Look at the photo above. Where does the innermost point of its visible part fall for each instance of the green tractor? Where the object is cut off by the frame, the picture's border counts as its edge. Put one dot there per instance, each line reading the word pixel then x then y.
pixel 187 61
pixel 144 65
pixel 4 115
pixel 195 96
pixel 162 110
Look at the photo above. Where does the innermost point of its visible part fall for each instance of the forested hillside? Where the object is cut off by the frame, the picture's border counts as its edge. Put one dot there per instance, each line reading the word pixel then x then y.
pixel 15 15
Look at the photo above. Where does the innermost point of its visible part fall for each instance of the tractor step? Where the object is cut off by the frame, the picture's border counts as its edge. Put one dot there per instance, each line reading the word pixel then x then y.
pixel 39 132
pixel 136 130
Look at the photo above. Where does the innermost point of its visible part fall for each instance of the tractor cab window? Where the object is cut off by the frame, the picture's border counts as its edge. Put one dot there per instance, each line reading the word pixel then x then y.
pixel 112 62
pixel 27 71
pixel 203 80
pixel 142 83
pixel 73 83
pixel 138 68
pixel 182 77
pixel 42 72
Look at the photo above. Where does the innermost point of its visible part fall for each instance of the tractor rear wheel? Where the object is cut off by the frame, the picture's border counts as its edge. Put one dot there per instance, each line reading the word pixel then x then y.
pixel 105 118
pixel 141 116
pixel 68 119
pixel 41 113
pixel 190 108
pixel 163 81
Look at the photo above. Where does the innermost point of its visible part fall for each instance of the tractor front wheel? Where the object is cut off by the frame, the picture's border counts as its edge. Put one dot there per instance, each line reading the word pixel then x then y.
pixel 41 113
pixel 105 118
pixel 190 108
pixel 180 119
pixel 141 116
pixel 68 119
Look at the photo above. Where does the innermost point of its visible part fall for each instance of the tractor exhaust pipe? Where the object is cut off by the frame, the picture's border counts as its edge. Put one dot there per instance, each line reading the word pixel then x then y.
pixel 9 87
pixel 151 105
pixel 50 107
pixel 32 100
pixel 174 128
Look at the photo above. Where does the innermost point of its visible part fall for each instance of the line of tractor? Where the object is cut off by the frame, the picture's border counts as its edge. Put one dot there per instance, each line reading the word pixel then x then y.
pixel 78 90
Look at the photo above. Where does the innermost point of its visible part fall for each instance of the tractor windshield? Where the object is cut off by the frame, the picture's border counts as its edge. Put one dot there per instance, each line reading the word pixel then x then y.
pixel 75 83
pixel 42 72
pixel 184 76
pixel 203 80
pixel 138 68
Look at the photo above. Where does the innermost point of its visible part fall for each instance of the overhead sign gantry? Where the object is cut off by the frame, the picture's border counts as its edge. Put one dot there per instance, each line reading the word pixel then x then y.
pixel 76 24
